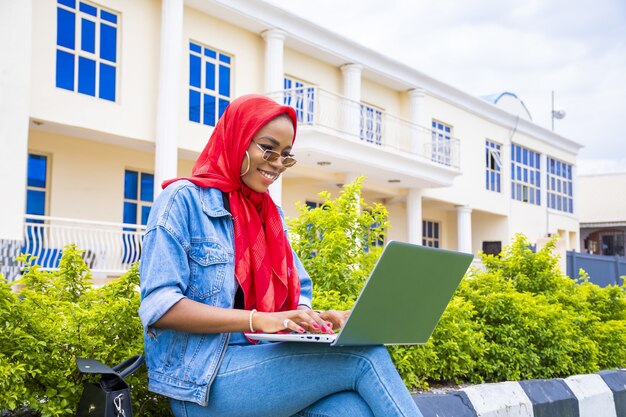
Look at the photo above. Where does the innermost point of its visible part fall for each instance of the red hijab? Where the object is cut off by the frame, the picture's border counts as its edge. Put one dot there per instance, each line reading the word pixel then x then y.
pixel 264 265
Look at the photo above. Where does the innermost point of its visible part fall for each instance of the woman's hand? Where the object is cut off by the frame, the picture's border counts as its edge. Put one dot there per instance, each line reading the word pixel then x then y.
pixel 300 321
pixel 337 318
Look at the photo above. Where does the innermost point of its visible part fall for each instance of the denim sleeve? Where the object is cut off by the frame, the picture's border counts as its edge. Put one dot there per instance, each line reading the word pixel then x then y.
pixel 306 285
pixel 164 274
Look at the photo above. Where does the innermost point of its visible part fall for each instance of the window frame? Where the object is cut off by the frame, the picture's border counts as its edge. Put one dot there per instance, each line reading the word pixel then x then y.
pixel 528 166
pixel 139 202
pixel 433 241
pixel 45 189
pixel 79 55
pixel 441 141
pixel 371 123
pixel 493 175
pixel 559 200
pixel 201 92
pixel 300 95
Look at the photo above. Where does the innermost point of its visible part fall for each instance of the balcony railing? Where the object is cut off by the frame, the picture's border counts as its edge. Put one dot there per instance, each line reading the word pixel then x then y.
pixel 357 121
pixel 109 248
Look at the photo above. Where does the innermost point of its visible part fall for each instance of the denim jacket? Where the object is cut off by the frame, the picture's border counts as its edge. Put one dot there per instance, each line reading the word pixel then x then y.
pixel 188 252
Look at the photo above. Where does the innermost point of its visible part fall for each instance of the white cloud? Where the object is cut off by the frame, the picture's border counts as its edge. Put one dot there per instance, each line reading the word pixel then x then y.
pixel 576 48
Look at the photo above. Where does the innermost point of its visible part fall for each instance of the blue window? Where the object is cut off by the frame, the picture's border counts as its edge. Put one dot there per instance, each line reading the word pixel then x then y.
pixel 493 165
pixel 559 185
pixel 371 124
pixel 312 204
pixel 86 55
pixel 431 232
pixel 300 96
pixel 441 142
pixel 525 175
pixel 36 186
pixel 138 196
pixel 35 231
pixel 209 84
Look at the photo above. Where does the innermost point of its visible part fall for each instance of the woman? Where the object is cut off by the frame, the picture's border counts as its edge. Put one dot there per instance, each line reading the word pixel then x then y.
pixel 216 263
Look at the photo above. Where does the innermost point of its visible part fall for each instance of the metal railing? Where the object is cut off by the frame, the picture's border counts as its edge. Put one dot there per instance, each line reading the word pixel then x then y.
pixel 353 120
pixel 109 248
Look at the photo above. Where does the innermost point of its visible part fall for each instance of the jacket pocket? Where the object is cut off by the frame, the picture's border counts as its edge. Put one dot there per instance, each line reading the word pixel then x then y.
pixel 209 265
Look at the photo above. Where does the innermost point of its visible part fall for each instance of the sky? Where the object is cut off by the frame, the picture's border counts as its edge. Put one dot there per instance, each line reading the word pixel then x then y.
pixel 576 48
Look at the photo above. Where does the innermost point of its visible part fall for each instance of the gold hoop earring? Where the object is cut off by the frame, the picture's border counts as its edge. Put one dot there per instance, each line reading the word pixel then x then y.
pixel 248 167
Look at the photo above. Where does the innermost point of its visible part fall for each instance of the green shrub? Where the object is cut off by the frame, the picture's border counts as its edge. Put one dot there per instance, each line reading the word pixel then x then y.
pixel 519 318
pixel 337 241
pixel 56 316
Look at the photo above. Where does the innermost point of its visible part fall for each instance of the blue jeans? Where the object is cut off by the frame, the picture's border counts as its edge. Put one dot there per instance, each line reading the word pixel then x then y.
pixel 304 380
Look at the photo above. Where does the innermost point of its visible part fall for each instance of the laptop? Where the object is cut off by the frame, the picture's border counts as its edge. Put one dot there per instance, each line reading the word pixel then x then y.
pixel 401 302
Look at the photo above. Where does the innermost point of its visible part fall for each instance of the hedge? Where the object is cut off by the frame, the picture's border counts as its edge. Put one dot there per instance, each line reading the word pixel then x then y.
pixel 518 318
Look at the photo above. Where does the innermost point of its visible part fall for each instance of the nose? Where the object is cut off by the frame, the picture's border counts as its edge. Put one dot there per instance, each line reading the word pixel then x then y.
pixel 278 165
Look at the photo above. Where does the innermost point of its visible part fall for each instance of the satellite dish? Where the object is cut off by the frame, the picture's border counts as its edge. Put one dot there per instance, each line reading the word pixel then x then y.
pixel 558 114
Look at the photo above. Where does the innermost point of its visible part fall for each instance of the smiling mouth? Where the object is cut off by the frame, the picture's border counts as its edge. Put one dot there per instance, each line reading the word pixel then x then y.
pixel 272 176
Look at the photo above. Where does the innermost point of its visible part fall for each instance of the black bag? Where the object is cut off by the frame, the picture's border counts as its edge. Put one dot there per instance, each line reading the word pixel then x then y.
pixel 111 396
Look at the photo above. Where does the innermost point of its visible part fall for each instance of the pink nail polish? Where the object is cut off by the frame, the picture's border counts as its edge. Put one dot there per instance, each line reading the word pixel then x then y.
pixel 315 326
pixel 323 330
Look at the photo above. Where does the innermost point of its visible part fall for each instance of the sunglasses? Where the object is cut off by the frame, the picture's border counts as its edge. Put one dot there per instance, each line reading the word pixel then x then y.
pixel 272 156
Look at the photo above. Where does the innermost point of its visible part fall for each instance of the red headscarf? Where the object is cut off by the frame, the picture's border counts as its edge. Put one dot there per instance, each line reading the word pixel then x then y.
pixel 264 265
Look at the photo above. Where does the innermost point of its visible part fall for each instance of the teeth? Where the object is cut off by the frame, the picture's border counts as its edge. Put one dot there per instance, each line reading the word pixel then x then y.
pixel 268 175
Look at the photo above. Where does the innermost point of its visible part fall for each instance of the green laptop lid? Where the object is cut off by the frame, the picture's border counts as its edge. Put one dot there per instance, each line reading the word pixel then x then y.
pixel 405 295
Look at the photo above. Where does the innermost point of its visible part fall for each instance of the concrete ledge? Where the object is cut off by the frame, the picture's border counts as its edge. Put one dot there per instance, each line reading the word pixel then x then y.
pixel 504 399
pixel 595 398
pixel 550 398
pixel 455 404
pixel 616 380
pixel 595 395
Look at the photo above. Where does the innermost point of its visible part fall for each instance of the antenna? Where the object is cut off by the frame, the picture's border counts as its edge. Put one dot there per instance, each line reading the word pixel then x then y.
pixel 556 113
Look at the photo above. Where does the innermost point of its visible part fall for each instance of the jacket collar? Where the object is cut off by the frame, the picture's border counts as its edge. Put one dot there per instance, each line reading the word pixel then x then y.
pixel 212 203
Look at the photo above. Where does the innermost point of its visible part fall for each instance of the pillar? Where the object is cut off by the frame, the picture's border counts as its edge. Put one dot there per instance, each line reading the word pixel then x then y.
pixel 351 106
pixel 168 101
pixel 274 75
pixel 543 192
pixel 418 136
pixel 414 216
pixel 464 229
pixel 15 86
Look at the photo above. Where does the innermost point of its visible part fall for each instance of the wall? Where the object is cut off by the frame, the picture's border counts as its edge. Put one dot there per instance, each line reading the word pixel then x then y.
pixel 602 198
pixel 487 227
pixel 133 114
pixel 313 71
pixel 247 71
pixel 86 178
pixel 380 96
pixel 15 40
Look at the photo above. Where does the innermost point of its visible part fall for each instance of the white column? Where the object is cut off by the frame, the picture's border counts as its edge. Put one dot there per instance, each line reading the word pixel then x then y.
pixel 168 102
pixel 274 74
pixel 464 228
pixel 274 60
pixel 417 116
pixel 15 75
pixel 576 202
pixel 414 216
pixel 416 106
pixel 543 192
pixel 352 92
pixel 352 81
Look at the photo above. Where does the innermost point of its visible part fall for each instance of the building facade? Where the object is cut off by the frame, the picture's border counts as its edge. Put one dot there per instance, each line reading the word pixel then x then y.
pixel 102 101
pixel 603 214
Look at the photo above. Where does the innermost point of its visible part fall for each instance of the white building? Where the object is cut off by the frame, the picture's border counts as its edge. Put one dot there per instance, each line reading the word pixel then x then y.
pixel 603 214
pixel 102 101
